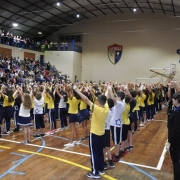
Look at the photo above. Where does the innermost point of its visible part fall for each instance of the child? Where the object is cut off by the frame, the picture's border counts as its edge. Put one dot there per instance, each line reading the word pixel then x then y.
pixel 24 115
pixel 106 141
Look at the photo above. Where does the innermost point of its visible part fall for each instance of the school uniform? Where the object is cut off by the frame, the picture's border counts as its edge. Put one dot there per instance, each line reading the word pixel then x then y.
pixel 73 109
pixel 97 132
pixel 38 113
pixel 142 107
pixel 62 112
pixel 52 113
pixel 136 110
pixel 116 122
pixel 8 113
pixel 84 112
pixel 24 116
pixel 125 121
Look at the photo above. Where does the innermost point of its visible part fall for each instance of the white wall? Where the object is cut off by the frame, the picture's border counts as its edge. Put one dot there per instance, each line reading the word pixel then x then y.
pixel 149 40
pixel 68 62
pixel 20 52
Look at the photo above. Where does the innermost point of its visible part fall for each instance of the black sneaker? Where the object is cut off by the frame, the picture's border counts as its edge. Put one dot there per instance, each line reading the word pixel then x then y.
pixel 111 164
pixel 87 137
pixel 42 134
pixel 28 141
pixel 16 130
pixel 91 175
pixel 36 136
pixel 0 135
pixel 105 166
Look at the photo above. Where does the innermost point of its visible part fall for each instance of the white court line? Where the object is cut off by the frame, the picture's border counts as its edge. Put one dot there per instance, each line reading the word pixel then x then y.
pixel 140 165
pixel 160 120
pixel 46 147
pixel 161 160
pixel 159 166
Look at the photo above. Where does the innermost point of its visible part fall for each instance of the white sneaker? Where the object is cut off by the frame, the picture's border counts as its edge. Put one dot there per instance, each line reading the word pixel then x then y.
pixel 60 129
pixel 141 125
pixel 69 144
pixel 77 142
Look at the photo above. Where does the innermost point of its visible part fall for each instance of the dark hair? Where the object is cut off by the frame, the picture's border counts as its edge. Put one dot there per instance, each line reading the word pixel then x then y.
pixel 64 94
pixel 127 99
pixel 76 95
pixel 121 94
pixel 176 96
pixel 133 93
pixel 102 99
pixel 110 103
pixel 9 93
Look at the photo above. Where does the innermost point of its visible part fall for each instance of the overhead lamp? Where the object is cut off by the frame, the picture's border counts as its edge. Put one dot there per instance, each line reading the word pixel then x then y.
pixel 15 24
pixel 58 4
pixel 134 10
pixel 77 15
pixel 39 32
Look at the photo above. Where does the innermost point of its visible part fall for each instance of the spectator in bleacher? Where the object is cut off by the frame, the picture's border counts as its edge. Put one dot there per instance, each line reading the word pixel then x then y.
pixel 48 66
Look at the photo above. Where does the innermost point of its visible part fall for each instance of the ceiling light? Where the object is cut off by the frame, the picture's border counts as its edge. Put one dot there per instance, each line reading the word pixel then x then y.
pixel 58 3
pixel 134 10
pixel 77 15
pixel 15 24
pixel 39 32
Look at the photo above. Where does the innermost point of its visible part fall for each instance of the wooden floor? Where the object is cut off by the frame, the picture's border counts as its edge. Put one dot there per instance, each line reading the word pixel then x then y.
pixel 47 159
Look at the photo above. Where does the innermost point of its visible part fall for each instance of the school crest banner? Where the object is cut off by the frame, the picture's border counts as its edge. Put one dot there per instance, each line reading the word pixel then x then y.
pixel 114 53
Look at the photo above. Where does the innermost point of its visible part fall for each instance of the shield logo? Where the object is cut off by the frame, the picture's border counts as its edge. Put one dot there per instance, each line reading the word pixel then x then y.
pixel 114 53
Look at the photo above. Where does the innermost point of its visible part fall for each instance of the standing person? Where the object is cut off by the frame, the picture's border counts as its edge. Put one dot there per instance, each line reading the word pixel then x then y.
pixel 84 117
pixel 106 142
pixel 116 121
pixel 97 131
pixel 24 115
pixel 38 113
pixel 173 144
pixel 73 100
pixel 8 106
pixel 62 108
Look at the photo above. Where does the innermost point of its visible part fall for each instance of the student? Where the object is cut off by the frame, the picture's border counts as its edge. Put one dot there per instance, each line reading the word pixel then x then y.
pixel 97 131
pixel 84 117
pixel 116 121
pixel 73 99
pixel 126 126
pixel 62 107
pixel 8 106
pixel 24 115
pixel 38 113
pixel 106 141
pixel 51 110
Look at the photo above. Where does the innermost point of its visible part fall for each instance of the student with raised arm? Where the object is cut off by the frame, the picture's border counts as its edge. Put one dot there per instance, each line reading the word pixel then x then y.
pixel 9 97
pixel 24 114
pixel 73 99
pixel 97 130
pixel 38 112
pixel 116 121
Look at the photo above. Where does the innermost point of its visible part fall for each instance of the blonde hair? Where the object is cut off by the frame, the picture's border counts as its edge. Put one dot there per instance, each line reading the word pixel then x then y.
pixel 27 101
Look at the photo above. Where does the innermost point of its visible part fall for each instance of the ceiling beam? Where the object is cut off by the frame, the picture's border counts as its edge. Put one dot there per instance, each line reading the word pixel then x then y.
pixel 116 6
pixel 127 6
pixel 139 6
pixel 74 10
pixel 108 6
pixel 85 8
pixel 173 7
pixel 96 7
pixel 162 7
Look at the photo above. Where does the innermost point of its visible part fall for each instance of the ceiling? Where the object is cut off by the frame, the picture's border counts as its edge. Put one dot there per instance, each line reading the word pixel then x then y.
pixel 45 16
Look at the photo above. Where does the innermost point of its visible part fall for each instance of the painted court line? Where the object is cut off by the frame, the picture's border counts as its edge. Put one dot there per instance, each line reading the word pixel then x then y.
pixel 46 147
pixel 66 161
pixel 161 160
pixel 140 165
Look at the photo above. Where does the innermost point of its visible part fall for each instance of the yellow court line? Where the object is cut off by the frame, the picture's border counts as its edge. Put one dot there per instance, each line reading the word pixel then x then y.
pixel 63 160
pixel 5 147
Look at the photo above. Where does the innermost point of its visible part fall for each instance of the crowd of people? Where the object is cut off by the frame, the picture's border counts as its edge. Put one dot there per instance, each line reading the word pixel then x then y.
pixel 8 38
pixel 36 94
